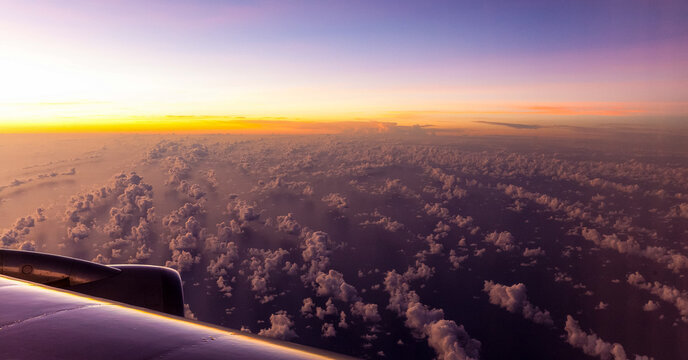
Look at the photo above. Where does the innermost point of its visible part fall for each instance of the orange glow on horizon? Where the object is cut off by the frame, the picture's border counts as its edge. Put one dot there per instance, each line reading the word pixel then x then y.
pixel 175 124
pixel 460 117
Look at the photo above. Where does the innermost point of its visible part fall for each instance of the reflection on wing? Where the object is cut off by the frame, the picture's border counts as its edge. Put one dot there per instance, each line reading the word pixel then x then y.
pixel 38 322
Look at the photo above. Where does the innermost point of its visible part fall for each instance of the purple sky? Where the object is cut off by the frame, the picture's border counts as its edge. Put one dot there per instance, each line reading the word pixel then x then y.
pixel 342 59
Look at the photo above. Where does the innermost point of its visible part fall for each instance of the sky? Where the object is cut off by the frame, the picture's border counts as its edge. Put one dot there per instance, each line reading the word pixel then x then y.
pixel 116 65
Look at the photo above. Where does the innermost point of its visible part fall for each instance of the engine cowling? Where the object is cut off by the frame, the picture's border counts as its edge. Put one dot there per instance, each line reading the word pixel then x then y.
pixel 153 287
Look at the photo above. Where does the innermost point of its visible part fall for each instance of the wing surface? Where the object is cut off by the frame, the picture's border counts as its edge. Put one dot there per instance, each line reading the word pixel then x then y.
pixel 40 322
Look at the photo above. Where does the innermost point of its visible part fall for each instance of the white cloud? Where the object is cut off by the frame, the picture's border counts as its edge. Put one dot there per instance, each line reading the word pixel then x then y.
pixel 601 306
pixel 437 210
pixel 280 327
pixel 328 330
pixel 15 234
pixel 462 221
pixel 184 234
pixel 262 263
pixel 332 284
pixel 386 222
pixel 368 312
pixel 188 313
pixel 661 255
pixel 593 345
pixel 342 321
pixel 670 294
pixel 330 309
pixel 651 306
pixel 288 225
pixel 533 252
pixel 449 340
pixel 224 261
pixel 193 191
pixel 307 308
pixel 335 200
pixel 503 240
pixel 315 245
pixel 456 260
pixel 396 188
pixel 243 210
pixel 36 178
pixel 514 299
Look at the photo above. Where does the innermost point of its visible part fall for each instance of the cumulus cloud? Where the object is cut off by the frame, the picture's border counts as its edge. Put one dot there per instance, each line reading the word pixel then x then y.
pixel 434 246
pixel 419 271
pixel 279 185
pixel 572 211
pixel 436 210
pixel 386 222
pixel 335 200
pixel 177 158
pixel 342 321
pixel 462 221
pixel 680 210
pixel 262 263
pixel 40 215
pixel 162 149
pixel 188 313
pixel 77 232
pixel 224 261
pixel 178 170
pixel 651 306
pixel 503 240
pixel 49 175
pixel 449 340
pixel 533 252
pixel 226 232
pixel 315 245
pixel 129 224
pixel 368 312
pixel 288 225
pixel 14 235
pixel 332 284
pixel 280 327
pixel 661 255
pixel 562 277
pixel 441 227
pixel 307 308
pixel 450 184
pixel 210 177
pixel 593 345
pixel 223 286
pixel 193 191
pixel 415 184
pixel 223 253
pixel 81 208
pixel 243 210
pixel 395 187
pixel 667 293
pixel 329 309
pixel 328 330
pixel 184 234
pixel 456 260
pixel 514 299
pixel 601 306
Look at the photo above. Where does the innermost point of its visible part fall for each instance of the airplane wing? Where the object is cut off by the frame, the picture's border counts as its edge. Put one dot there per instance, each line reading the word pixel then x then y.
pixel 43 322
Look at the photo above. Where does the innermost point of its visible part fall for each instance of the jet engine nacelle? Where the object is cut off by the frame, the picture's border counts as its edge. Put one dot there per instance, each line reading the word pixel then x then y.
pixel 154 287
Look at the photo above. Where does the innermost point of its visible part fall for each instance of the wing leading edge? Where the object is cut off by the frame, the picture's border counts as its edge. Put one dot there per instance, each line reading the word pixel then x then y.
pixel 39 322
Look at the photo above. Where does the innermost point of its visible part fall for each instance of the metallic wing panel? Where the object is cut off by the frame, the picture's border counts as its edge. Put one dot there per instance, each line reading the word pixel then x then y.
pixel 38 322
